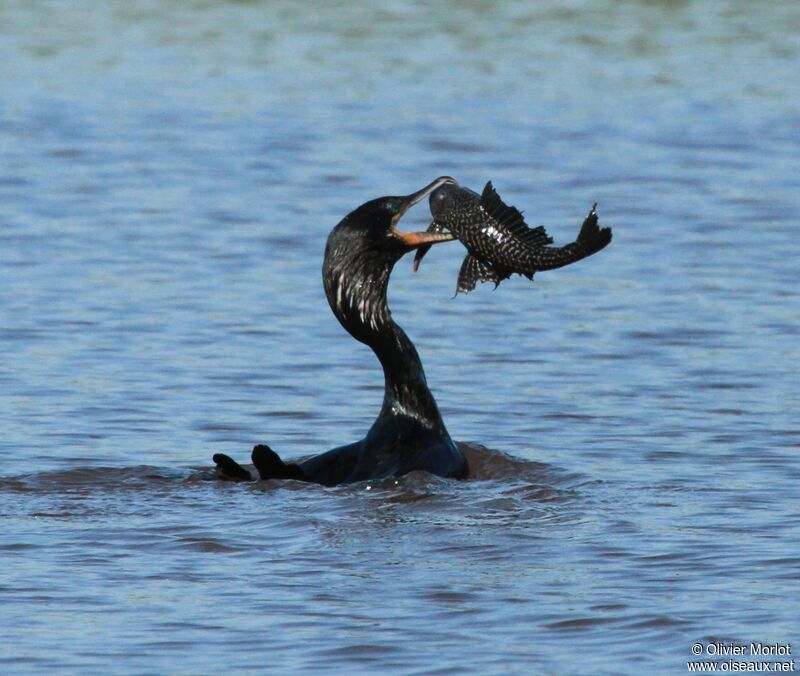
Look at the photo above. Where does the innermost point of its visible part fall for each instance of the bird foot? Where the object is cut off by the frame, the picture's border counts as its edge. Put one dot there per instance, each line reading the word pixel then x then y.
pixel 270 466
pixel 230 470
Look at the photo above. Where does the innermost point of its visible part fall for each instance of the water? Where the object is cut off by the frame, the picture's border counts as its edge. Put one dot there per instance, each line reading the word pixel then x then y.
pixel 168 175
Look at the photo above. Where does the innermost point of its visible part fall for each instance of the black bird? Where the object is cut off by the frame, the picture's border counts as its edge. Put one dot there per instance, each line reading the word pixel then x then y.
pixel 498 240
pixel 409 433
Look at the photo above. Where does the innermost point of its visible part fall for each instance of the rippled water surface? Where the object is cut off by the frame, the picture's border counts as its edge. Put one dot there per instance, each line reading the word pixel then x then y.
pixel 168 175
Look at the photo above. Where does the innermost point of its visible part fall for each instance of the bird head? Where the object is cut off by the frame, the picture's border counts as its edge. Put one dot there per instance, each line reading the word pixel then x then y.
pixel 362 250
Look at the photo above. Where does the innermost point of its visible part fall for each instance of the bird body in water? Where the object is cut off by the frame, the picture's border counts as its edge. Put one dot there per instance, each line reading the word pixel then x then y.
pixel 409 433
pixel 498 240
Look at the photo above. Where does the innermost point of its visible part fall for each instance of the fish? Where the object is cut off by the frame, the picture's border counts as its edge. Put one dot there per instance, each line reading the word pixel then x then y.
pixel 498 241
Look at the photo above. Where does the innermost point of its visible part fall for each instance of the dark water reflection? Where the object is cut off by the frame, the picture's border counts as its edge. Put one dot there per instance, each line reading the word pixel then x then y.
pixel 168 175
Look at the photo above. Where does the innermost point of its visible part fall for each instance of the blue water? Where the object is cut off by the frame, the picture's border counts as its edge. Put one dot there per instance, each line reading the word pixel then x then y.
pixel 168 175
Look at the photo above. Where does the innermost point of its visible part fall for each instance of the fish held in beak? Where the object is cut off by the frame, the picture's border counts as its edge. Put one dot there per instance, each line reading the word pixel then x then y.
pixel 426 239
pixel 498 241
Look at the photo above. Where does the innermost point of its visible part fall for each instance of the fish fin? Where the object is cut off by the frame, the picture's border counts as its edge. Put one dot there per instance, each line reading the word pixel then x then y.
pixel 537 236
pixel 434 227
pixel 474 270
pixel 591 234
pixel 512 218
pixel 591 239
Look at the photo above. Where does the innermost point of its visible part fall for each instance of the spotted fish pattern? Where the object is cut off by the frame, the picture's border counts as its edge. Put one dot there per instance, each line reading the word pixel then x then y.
pixel 499 241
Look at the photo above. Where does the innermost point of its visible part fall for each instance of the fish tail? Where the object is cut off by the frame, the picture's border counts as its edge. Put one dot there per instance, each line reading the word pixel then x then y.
pixel 591 239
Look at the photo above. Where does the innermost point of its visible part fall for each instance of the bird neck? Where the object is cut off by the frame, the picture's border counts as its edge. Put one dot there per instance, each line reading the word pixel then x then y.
pixel 406 390
pixel 357 295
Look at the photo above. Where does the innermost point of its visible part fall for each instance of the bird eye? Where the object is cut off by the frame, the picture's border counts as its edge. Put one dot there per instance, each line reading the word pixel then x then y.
pixel 394 207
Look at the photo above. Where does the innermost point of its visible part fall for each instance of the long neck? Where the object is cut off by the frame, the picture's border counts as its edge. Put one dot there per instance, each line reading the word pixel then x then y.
pixel 405 388
pixel 359 303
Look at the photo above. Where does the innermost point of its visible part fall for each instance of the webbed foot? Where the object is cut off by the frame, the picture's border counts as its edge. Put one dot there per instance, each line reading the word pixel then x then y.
pixel 229 469
pixel 270 466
